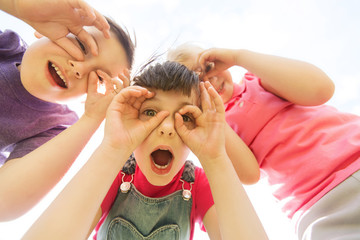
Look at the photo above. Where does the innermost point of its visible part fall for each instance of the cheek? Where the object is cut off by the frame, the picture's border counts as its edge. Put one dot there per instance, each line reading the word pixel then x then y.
pixel 229 88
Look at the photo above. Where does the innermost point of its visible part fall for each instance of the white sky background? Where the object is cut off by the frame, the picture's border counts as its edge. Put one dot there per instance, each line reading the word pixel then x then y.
pixel 323 32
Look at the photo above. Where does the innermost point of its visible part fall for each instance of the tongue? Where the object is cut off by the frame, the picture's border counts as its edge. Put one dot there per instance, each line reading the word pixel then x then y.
pixel 161 157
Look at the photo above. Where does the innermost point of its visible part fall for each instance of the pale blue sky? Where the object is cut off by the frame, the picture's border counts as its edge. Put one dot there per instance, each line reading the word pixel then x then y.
pixel 323 32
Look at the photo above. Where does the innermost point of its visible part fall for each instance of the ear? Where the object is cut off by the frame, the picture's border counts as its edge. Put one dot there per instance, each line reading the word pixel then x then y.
pixel 38 35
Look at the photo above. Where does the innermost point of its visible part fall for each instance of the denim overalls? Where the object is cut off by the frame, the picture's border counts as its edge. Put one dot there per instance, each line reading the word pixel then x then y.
pixel 135 216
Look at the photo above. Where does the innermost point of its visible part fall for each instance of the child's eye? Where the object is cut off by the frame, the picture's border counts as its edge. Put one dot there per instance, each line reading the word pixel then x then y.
pixel 150 113
pixel 187 118
pixel 81 45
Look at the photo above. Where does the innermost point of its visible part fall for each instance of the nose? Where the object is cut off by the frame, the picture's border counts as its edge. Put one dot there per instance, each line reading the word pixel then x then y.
pixel 78 69
pixel 167 127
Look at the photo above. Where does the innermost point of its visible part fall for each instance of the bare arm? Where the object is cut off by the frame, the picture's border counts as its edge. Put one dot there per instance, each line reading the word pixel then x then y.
pixel 235 214
pixel 86 191
pixel 82 195
pixel 242 158
pixel 235 218
pixel 296 81
pixel 24 181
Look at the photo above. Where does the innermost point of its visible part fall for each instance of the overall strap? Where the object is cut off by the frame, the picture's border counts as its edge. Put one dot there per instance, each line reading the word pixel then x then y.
pixel 188 174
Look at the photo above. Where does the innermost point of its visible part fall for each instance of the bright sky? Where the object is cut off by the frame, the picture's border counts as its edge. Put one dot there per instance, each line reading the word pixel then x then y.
pixel 323 32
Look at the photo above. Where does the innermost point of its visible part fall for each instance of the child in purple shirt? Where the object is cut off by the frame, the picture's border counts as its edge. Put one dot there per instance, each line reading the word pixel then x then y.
pixel 36 81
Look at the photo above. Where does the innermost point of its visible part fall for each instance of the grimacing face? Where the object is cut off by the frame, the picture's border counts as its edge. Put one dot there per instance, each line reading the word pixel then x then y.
pixel 162 154
pixel 49 73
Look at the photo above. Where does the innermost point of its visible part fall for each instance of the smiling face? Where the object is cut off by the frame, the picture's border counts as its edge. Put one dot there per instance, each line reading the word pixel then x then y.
pixel 49 73
pixel 162 154
pixel 188 54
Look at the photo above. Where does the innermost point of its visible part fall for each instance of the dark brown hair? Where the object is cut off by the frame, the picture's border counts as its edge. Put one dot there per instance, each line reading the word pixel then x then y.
pixel 169 76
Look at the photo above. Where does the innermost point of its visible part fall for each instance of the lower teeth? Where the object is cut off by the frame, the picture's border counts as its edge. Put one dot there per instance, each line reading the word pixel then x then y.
pixel 160 166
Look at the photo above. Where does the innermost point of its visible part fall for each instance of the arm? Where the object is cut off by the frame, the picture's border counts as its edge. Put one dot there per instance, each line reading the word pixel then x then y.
pixel 24 181
pixel 296 81
pixel 247 168
pixel 56 19
pixel 86 191
pixel 233 216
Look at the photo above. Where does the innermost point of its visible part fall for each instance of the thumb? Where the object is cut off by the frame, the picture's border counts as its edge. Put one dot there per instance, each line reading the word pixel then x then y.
pixel 92 82
pixel 38 35
pixel 155 121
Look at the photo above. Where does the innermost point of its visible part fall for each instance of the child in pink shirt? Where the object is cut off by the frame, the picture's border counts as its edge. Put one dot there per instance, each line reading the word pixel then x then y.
pixel 309 152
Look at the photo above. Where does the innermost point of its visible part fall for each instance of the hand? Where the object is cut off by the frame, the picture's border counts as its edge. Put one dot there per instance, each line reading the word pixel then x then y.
pixel 218 59
pixel 55 19
pixel 207 139
pixel 96 102
pixel 123 128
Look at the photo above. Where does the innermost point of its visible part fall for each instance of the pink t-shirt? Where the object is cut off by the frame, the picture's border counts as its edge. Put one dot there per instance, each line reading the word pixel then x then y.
pixel 201 194
pixel 303 151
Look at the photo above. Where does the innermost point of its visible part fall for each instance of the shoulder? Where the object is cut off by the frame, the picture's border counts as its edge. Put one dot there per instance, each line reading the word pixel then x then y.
pixel 202 187
pixel 202 197
pixel 11 44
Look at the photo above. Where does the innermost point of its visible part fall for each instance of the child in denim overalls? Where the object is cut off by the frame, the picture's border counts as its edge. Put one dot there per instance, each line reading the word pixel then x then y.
pixel 160 119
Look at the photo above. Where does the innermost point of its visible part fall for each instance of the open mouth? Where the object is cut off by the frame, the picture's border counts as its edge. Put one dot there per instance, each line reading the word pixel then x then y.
pixel 56 75
pixel 161 159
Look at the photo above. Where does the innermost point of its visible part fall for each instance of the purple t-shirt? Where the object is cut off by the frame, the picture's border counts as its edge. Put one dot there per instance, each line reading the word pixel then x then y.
pixel 26 122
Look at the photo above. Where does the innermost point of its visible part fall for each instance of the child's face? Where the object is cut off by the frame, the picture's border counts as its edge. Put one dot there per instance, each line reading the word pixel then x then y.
pixel 163 153
pixel 48 72
pixel 222 82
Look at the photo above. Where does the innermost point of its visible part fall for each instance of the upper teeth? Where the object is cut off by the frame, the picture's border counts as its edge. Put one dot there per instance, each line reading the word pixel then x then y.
pixel 59 73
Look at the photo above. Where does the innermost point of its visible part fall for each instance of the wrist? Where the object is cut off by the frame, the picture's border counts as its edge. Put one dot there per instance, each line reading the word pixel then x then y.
pixel 91 120
pixel 111 153
pixel 214 161
pixel 239 56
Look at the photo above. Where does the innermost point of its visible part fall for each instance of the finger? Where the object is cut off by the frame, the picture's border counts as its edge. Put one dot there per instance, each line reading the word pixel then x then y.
pixel 202 59
pixel 208 85
pixel 216 99
pixel 38 35
pixel 88 39
pixel 139 101
pixel 84 7
pixel 127 73
pixel 180 128
pixel 117 84
pixel 109 87
pixel 125 80
pixel 92 17
pixel 127 94
pixel 193 110
pixel 155 121
pixel 102 24
pixel 205 98
pixel 70 48
pixel 133 94
pixel 92 82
